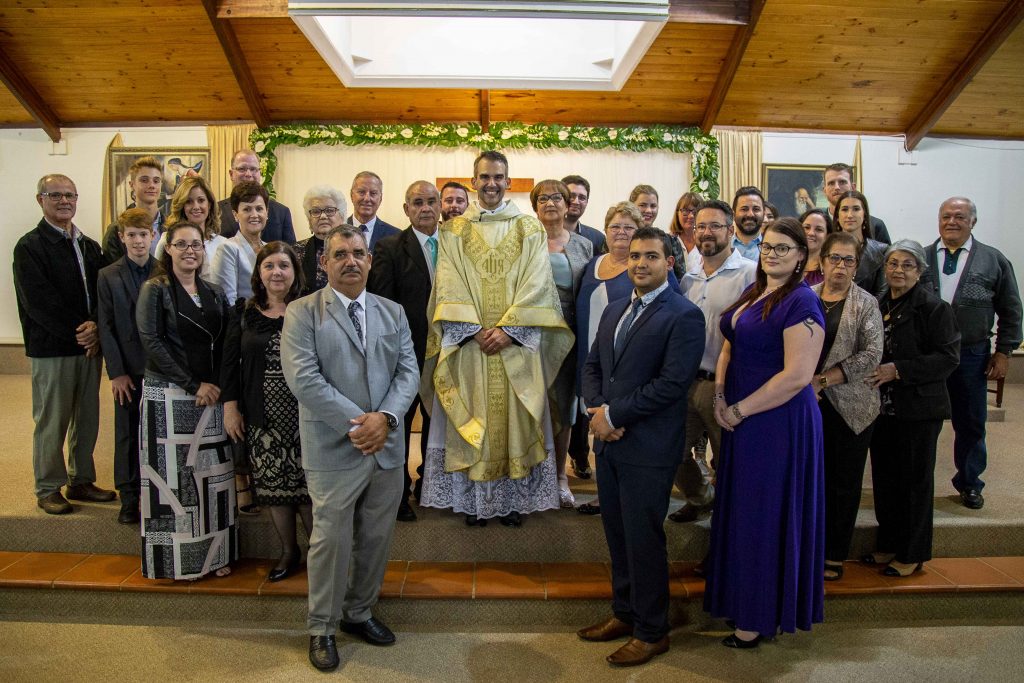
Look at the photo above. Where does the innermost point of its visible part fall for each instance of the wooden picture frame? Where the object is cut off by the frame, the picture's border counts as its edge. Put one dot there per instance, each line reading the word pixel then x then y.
pixel 794 188
pixel 178 163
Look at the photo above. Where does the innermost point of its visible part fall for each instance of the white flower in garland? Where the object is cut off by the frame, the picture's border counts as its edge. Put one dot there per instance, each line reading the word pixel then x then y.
pixel 563 135
pixel 347 132
pixel 668 137
pixel 703 185
pixel 406 133
pixel 462 132
pixel 612 133
pixel 260 146
pixel 506 134
pixel 304 134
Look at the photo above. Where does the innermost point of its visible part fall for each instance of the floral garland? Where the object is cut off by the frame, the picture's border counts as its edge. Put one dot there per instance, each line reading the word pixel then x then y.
pixel 702 148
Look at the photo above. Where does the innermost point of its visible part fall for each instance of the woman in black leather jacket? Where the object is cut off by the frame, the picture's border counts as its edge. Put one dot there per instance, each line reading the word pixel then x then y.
pixel 188 485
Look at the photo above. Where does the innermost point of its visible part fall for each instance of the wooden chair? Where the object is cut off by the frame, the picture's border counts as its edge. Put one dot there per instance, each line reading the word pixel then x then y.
pixel 998 391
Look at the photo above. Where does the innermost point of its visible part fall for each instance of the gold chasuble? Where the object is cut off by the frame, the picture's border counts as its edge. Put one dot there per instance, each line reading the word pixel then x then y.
pixel 493 271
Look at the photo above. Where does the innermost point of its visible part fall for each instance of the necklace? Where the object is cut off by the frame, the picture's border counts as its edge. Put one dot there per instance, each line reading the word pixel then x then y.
pixel 829 309
pixel 891 308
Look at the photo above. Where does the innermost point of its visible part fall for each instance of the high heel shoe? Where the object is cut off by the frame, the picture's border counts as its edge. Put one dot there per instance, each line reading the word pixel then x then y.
pixel 565 497
pixel 899 569
pixel 735 641
pixel 282 573
pixel 877 558
pixel 833 571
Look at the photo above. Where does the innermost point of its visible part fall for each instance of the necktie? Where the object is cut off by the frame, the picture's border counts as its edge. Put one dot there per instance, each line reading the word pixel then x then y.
pixel 432 246
pixel 620 338
pixel 353 313
pixel 949 264
pixel 363 228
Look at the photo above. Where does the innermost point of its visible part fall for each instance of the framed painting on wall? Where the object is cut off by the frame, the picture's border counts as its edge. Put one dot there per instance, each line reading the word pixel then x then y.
pixel 178 163
pixel 794 189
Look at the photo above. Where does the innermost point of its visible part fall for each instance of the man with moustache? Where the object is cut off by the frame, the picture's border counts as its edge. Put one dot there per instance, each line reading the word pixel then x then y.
pixel 403 271
pixel 713 285
pixel 347 356
pixel 367 193
pixel 635 383
pixel 117 291
pixel 454 200
pixel 579 197
pixel 245 167
pixel 748 209
pixel 978 282
pixel 838 178
pixel 496 342
pixel 55 268
pixel 146 178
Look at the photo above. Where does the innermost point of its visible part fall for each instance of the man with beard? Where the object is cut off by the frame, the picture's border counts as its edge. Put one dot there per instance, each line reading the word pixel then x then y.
pixel 579 196
pixel 454 200
pixel 713 284
pixel 839 179
pixel 748 209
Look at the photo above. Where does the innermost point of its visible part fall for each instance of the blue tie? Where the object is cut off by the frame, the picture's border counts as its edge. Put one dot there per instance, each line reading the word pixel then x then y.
pixel 432 246
pixel 353 313
pixel 620 338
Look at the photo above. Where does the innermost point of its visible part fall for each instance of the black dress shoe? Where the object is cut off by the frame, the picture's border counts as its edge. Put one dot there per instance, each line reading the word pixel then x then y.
pixel 972 499
pixel 735 642
pixel 90 492
pixel 372 631
pixel 473 520
pixel 129 514
pixel 513 519
pixel 282 573
pixel 405 512
pixel 582 470
pixel 323 652
pixel 689 513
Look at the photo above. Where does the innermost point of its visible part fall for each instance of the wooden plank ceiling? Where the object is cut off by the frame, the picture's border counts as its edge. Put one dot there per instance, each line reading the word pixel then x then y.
pixel 872 66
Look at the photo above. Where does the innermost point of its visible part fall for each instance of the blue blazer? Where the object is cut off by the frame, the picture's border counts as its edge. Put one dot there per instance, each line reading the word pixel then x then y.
pixel 381 229
pixel 646 387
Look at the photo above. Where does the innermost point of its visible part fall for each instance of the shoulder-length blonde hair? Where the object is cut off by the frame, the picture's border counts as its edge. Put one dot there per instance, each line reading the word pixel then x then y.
pixel 177 215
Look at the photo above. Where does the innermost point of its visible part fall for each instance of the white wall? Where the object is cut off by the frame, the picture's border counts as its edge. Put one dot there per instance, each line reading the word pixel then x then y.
pixel 908 196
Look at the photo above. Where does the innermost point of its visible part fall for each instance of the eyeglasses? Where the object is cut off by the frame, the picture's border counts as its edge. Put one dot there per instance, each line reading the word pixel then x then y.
pixel 905 266
pixel 621 228
pixel 57 196
pixel 182 245
pixel 247 169
pixel 710 227
pixel 329 211
pixel 688 212
pixel 848 261
pixel 779 249
pixel 555 198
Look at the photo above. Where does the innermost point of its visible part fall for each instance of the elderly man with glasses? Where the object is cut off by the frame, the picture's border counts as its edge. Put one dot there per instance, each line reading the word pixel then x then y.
pixel 55 269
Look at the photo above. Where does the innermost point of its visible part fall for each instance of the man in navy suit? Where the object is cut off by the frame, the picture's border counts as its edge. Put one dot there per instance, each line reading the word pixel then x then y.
pixel 245 167
pixel 367 193
pixel 117 291
pixel 635 382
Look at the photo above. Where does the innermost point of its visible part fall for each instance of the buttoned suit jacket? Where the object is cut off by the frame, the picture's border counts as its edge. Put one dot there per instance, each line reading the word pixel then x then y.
pixel 381 229
pixel 117 295
pixel 336 380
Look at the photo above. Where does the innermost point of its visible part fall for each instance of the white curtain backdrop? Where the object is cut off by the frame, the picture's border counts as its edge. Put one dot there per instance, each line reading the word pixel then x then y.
pixel 612 174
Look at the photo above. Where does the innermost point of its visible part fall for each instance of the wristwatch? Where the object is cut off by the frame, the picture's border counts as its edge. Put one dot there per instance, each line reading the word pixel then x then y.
pixel 392 422
pixel 822 380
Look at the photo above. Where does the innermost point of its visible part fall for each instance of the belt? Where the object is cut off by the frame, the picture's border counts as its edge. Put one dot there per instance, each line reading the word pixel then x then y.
pixel 704 374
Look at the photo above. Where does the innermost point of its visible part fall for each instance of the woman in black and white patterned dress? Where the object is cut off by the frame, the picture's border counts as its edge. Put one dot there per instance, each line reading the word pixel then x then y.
pixel 259 407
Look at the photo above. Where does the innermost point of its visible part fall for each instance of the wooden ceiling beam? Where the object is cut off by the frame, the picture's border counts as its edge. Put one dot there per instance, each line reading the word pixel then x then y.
pixel 239 66
pixel 998 31
pixel 730 66
pixel 709 11
pixel 485 110
pixel 252 9
pixel 29 97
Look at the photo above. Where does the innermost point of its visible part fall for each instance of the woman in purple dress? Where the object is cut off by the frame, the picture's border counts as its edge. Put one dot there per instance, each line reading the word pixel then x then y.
pixel 764 568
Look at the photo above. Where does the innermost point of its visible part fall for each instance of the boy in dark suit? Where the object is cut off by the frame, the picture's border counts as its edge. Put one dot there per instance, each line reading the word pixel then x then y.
pixel 117 290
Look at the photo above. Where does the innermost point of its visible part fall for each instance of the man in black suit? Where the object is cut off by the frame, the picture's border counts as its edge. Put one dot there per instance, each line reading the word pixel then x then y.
pixel 245 166
pixel 635 382
pixel 367 193
pixel 403 271
pixel 146 178
pixel 838 178
pixel 117 290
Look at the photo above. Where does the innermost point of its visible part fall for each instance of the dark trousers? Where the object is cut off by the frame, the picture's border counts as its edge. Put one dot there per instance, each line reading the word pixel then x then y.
pixel 903 478
pixel 634 502
pixel 579 440
pixel 410 415
pixel 968 397
pixel 845 455
pixel 126 445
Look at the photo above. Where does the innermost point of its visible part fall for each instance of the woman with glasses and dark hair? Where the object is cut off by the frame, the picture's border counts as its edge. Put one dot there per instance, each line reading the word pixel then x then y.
pixel 764 565
pixel 852 349
pixel 188 484
pixel 817 226
pixel 325 208
pixel 920 349
pixel 852 215
pixel 259 409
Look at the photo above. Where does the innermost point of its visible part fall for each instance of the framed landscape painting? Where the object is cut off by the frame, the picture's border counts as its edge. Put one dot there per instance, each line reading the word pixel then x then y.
pixel 178 163
pixel 794 189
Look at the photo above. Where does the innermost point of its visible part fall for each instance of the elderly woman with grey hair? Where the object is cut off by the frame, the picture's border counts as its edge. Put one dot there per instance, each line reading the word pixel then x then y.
pixel 921 347
pixel 325 208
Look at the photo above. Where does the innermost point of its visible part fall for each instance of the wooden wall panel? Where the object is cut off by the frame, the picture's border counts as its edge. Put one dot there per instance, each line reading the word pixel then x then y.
pixel 993 103
pixel 866 65
pixel 122 61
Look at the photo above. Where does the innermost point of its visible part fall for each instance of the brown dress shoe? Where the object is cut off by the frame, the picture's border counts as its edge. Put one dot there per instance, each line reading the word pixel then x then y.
pixel 636 652
pixel 54 504
pixel 90 492
pixel 609 629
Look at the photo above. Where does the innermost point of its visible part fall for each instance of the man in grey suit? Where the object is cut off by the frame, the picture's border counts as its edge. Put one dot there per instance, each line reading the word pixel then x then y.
pixel 348 357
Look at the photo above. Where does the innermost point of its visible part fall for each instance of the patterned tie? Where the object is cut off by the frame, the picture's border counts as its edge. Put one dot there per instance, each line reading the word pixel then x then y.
pixel 949 264
pixel 364 228
pixel 432 246
pixel 353 313
pixel 620 338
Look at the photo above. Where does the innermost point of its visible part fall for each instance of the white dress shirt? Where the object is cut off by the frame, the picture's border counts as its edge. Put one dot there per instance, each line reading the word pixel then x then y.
pixel 713 294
